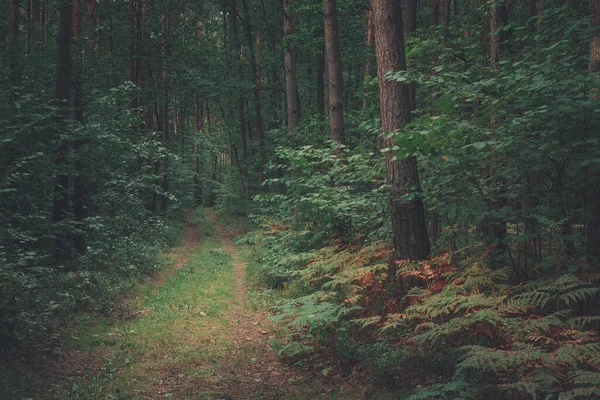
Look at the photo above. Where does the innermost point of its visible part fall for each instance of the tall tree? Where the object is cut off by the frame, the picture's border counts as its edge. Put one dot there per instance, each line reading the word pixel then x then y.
pixel 164 109
pixel 334 71
pixel 63 90
pixel 406 207
pixel 291 82
pixel 260 128
pixel 593 225
pixel 79 207
pixel 368 43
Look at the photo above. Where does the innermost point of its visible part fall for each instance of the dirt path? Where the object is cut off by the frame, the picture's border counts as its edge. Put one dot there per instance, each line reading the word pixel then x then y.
pixel 183 255
pixel 192 334
pixel 256 371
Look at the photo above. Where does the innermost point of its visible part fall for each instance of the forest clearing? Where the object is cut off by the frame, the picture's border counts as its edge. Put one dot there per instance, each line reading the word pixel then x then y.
pixel 298 199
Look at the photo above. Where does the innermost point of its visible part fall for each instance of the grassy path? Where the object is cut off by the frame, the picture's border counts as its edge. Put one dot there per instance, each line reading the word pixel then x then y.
pixel 192 335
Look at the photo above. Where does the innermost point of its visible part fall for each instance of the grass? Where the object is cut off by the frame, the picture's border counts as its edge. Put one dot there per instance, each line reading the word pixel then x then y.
pixel 177 341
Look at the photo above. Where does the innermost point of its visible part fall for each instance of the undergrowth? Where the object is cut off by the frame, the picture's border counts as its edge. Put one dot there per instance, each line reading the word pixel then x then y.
pixel 456 329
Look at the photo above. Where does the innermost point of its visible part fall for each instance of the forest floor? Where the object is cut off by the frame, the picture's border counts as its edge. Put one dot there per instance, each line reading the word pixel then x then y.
pixel 192 332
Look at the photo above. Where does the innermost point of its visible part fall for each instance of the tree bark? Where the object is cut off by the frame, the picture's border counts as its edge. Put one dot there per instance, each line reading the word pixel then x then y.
pixel 409 228
pixel 241 101
pixel 63 88
pixel 291 83
pixel 434 12
pixel 260 129
pixel 79 207
pixel 369 44
pixel 321 83
pixel 334 69
pixel 165 105
pixel 132 49
pixel 35 21
pixel 593 224
pixel 498 19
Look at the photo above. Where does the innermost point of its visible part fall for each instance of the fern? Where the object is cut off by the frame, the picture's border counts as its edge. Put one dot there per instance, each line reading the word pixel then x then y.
pixel 451 390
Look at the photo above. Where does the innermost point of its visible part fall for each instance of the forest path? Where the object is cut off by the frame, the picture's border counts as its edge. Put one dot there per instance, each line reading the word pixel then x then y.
pixel 192 333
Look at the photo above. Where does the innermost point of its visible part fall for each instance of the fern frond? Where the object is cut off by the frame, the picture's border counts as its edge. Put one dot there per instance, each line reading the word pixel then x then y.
pixel 452 390
pixel 581 323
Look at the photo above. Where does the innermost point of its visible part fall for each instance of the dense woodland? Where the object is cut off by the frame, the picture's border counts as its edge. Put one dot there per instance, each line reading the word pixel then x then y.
pixel 424 177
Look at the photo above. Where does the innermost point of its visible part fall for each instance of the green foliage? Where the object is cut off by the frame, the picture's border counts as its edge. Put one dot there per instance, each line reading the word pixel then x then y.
pixel 123 239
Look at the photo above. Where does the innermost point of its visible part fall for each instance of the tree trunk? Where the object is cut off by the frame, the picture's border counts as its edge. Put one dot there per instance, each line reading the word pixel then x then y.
pixel 434 12
pixel 63 88
pixel 165 105
pixel 260 129
pixel 291 83
pixel 409 16
pixel 498 19
pixel 78 60
pixel 593 224
pixel 35 21
pixel 199 125
pixel 369 45
pixel 531 12
pixel 14 74
pixel 92 27
pixel 321 83
pixel 28 24
pixel 79 208
pixel 408 215
pixel 132 49
pixel 334 70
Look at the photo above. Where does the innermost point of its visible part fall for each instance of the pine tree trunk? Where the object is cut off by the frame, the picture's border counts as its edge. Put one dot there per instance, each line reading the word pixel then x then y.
pixel 593 224
pixel 369 44
pixel 63 88
pixel 132 49
pixel 409 228
pixel 291 83
pixel 164 106
pixel 79 207
pixel 334 70
pixel 260 129
pixel 434 12
pixel 321 84
pixel 35 21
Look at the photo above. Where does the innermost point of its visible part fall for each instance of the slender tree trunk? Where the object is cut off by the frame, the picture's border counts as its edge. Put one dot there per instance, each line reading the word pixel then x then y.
pixel 46 19
pixel 28 24
pixel 199 124
pixel 498 20
pixel 92 27
pixel 165 105
pixel 260 129
pixel 408 215
pixel 531 12
pixel 78 60
pixel 132 49
pixel 434 12
pixel 63 88
pixel 291 84
pixel 15 13
pixel 593 224
pixel 35 21
pixel 79 207
pixel 369 44
pixel 334 69
pixel 321 83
